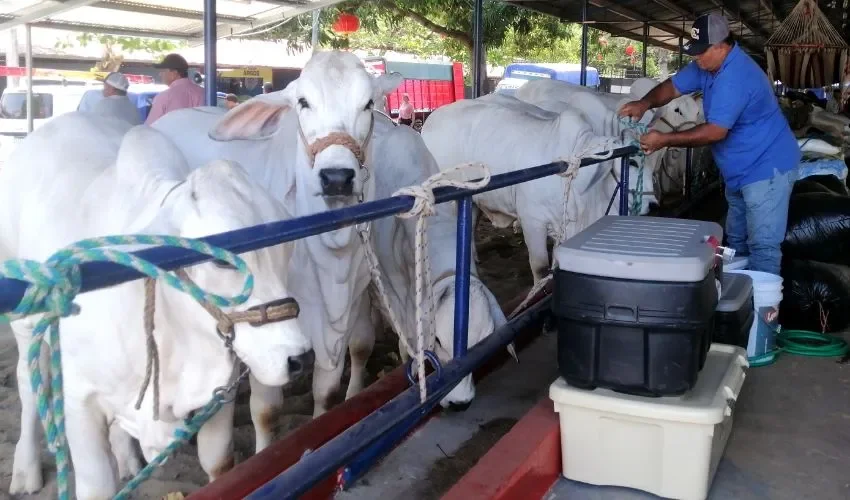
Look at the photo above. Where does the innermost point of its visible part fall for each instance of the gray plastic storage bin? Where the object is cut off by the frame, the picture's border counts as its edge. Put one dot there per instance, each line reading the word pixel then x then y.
pixel 635 299
pixel 735 312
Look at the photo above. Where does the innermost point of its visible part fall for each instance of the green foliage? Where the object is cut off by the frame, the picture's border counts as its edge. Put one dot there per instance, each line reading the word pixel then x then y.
pixel 126 43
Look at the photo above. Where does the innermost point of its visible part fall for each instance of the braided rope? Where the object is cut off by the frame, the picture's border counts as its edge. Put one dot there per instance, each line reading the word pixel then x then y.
pixel 638 129
pixel 424 206
pixel 53 286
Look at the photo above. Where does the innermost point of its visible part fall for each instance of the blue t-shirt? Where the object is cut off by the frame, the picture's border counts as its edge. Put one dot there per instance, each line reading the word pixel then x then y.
pixel 739 98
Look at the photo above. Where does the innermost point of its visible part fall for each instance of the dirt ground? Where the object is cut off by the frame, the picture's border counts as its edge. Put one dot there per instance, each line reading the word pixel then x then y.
pixel 504 269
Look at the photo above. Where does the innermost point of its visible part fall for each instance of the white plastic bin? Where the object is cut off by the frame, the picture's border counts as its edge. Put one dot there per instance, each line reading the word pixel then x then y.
pixel 669 446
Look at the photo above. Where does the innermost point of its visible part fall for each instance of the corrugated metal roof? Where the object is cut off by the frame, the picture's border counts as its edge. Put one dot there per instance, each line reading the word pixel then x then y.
pixel 176 19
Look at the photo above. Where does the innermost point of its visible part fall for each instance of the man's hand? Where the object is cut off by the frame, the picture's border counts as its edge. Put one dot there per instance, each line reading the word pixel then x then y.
pixel 652 141
pixel 634 109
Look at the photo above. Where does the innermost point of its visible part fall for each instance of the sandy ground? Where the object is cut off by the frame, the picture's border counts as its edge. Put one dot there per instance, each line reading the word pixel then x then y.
pixel 505 269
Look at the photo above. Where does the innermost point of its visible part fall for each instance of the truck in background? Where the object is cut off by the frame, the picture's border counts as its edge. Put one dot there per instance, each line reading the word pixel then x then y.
pixel 429 85
pixel 518 74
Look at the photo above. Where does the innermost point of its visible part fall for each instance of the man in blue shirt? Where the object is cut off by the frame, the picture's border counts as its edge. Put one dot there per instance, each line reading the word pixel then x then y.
pixel 750 138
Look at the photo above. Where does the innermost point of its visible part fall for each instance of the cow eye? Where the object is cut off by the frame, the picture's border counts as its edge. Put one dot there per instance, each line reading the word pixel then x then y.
pixel 303 103
pixel 221 264
pixel 369 105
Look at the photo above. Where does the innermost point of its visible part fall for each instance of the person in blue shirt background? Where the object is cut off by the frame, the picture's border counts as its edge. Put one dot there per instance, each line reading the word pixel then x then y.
pixel 751 141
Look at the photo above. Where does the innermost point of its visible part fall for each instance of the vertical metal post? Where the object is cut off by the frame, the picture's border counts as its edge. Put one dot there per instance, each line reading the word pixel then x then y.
pixel 210 83
pixel 314 40
pixel 583 71
pixel 477 47
pixel 28 57
pixel 462 271
pixel 645 46
pixel 681 51
pixel 689 172
pixel 624 185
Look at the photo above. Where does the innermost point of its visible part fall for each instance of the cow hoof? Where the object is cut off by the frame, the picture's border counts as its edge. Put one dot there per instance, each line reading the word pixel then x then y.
pixel 459 407
pixel 26 481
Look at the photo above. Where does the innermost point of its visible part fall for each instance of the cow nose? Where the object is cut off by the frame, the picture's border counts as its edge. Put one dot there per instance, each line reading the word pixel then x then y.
pixel 298 364
pixel 337 181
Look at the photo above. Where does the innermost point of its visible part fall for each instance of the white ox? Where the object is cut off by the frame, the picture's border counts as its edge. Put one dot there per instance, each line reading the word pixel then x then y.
pixel 333 95
pixel 601 110
pixel 509 138
pixel 69 180
pixel 404 162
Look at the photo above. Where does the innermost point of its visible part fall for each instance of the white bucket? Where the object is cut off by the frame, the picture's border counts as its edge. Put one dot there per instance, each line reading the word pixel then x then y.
pixel 767 294
pixel 737 263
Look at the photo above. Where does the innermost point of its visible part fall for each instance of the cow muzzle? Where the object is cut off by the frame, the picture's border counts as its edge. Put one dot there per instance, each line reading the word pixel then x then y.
pixel 337 181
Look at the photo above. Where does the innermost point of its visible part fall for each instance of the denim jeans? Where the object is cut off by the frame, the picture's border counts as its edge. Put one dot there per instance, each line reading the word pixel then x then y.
pixel 756 220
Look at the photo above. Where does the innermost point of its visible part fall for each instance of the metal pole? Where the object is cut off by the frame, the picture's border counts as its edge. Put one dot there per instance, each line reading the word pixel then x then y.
pixel 583 71
pixel 314 41
pixel 681 51
pixel 28 56
pixel 645 46
pixel 210 83
pixel 624 185
pixel 477 47
pixel 689 172
pixel 462 270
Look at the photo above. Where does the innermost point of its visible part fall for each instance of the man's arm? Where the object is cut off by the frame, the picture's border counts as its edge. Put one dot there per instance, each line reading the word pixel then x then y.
pixel 661 94
pixel 701 135
pixel 157 109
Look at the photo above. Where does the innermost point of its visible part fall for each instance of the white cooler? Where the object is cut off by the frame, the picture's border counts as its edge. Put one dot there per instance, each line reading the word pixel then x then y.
pixel 668 446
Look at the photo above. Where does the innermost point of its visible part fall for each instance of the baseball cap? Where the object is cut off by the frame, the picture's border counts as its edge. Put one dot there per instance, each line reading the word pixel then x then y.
pixel 117 80
pixel 707 30
pixel 173 61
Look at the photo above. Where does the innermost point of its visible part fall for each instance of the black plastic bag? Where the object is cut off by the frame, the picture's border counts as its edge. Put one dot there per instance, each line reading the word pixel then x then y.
pixel 818 228
pixel 820 184
pixel 812 293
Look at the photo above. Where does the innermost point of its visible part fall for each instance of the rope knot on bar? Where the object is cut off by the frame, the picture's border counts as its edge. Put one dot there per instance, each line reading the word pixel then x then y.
pixel 424 206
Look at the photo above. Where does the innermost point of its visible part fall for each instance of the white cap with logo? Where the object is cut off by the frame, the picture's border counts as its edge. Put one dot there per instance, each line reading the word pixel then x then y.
pixel 117 80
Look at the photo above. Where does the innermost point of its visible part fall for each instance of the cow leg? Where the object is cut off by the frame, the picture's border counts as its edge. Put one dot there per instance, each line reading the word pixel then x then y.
pixel 360 347
pixel 26 469
pixel 215 443
pixel 127 458
pixel 325 383
pixel 538 256
pixel 88 439
pixel 266 402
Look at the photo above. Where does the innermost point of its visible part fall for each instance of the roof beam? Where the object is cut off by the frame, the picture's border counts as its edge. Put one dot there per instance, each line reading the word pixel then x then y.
pixel 271 16
pixel 40 11
pixel 157 10
pixel 111 30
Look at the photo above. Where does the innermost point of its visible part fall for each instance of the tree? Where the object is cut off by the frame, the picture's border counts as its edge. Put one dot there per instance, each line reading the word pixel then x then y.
pixel 111 59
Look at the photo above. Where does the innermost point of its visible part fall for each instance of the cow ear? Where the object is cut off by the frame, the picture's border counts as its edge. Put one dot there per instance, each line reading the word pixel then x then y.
pixel 255 119
pixel 388 82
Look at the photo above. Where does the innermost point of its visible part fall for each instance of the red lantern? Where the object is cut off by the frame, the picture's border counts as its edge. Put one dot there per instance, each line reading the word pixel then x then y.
pixel 630 50
pixel 346 24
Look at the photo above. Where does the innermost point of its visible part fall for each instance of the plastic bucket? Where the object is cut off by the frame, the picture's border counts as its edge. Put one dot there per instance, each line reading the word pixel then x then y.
pixel 767 294
pixel 737 263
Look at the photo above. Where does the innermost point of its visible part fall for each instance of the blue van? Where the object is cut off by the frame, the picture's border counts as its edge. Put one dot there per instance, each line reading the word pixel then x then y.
pixel 518 74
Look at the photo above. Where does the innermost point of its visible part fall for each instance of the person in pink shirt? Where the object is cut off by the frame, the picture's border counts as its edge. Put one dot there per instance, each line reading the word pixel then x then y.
pixel 405 111
pixel 181 92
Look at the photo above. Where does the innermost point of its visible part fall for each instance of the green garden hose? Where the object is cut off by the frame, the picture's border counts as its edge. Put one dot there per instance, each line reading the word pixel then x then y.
pixel 803 343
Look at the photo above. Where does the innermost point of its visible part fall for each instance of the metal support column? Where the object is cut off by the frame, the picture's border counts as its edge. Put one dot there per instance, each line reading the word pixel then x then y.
pixel 28 58
pixel 314 39
pixel 645 46
pixel 583 71
pixel 477 47
pixel 681 51
pixel 209 52
pixel 462 270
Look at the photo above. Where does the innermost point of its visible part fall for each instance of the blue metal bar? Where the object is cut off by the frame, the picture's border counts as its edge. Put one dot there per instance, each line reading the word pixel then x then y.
pixel 96 275
pixel 209 52
pixel 689 172
pixel 583 70
pixel 477 48
pixel 645 46
pixel 326 460
pixel 624 185
pixel 377 450
pixel 462 271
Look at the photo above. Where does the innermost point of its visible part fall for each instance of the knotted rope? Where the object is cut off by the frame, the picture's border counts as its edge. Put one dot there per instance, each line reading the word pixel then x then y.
pixel 638 129
pixel 424 206
pixel 53 286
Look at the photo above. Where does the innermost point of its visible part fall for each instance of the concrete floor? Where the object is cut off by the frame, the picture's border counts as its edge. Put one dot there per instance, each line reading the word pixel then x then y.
pixel 791 436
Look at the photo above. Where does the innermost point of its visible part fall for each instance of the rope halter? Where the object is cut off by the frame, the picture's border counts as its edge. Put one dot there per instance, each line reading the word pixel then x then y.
pixel 338 139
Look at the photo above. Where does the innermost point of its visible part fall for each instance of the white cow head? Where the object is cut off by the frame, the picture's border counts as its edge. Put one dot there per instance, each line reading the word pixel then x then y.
pixel 485 316
pixel 221 197
pixel 333 100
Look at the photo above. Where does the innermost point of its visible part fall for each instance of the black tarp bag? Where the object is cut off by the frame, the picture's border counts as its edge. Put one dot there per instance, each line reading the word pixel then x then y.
pixel 818 228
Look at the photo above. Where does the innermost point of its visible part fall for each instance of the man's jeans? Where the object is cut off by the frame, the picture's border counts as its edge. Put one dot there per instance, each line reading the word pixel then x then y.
pixel 756 220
